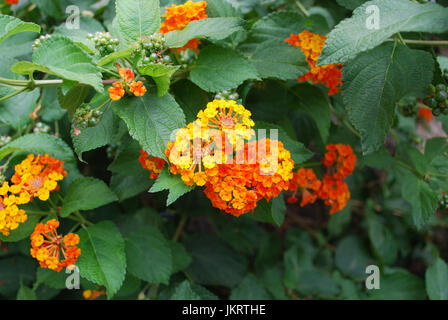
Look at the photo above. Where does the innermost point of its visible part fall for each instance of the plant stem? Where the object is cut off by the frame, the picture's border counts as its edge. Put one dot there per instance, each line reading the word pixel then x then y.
pixel 302 8
pixel 180 227
pixel 13 94
pixel 104 104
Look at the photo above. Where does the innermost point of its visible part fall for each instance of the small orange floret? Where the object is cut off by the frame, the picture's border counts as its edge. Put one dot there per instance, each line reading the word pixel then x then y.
pixel 137 88
pixel 339 160
pixel 178 17
pixel 426 114
pixel 11 2
pixel 152 164
pixel 305 182
pixel 116 92
pixel 312 44
pixel 52 250
pixel 335 193
pixel 126 74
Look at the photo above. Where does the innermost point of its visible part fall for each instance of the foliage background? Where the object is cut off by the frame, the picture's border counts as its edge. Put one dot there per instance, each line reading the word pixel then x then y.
pixel 188 250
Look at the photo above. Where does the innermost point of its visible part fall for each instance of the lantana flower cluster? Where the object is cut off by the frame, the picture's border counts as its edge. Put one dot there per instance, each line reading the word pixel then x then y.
pixel 177 17
pixel 54 251
pixel 34 177
pixel 126 84
pixel 216 151
pixel 153 164
pixel 312 44
pixel 339 161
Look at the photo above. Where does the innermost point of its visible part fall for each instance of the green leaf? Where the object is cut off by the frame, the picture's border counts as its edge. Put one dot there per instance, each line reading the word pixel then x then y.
pixel 14 272
pixel 122 54
pixel 148 255
pixel 271 212
pixel 250 288
pixel 126 187
pixel 79 196
pixel 109 129
pixel 375 81
pixel 26 293
pixel 103 259
pixel 61 57
pixel 137 18
pixel 161 75
pixel 436 277
pixel 398 284
pixel 10 26
pixel 316 282
pixel 314 102
pixel 210 28
pixel 339 222
pixel 423 199
pixel 276 59
pixel 183 291
pixel 214 263
pixel 381 238
pixel 51 278
pixel 352 257
pixel 173 183
pixel 351 4
pixel 220 69
pixel 151 120
pixel 191 98
pixel 343 44
pixel 181 258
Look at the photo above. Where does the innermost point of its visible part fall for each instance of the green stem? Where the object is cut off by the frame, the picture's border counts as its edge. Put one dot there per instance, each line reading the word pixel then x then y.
pixel 302 8
pixel 15 93
pixel 82 220
pixel 408 167
pixel 180 227
pixel 103 105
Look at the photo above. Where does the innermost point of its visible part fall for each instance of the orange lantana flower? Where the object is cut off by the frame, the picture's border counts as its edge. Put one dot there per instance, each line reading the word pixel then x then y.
pixel 38 176
pixel 334 192
pixel 312 44
pixel 137 88
pixel 339 160
pixel 11 2
pixel 152 164
pixel 116 92
pixel 178 17
pixel 54 251
pixel 305 182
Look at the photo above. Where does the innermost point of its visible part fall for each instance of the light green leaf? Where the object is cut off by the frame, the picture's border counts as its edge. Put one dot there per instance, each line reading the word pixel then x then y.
pixel 375 81
pixel 137 18
pixel 151 120
pixel 26 293
pixel 103 259
pixel 352 257
pixel 126 53
pixel 61 57
pixel 10 25
pixel 276 59
pixel 161 75
pixel 399 284
pixel 210 28
pixel 173 183
pixel 221 69
pixel 79 196
pixel 436 277
pixel 183 291
pixel 148 255
pixel 343 43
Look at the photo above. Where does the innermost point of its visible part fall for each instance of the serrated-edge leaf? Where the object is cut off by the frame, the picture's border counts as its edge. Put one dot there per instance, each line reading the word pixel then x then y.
pixel 10 25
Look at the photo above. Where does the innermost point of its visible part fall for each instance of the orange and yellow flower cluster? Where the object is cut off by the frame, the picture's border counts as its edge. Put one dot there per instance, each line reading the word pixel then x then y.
pixel 312 44
pixel 92 294
pixel 153 164
pixel 54 251
pixel 214 151
pixel 340 161
pixel 36 176
pixel 127 83
pixel 178 17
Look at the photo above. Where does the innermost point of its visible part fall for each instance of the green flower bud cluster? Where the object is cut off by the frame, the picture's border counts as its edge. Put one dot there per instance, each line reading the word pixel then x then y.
pixel 227 95
pixel 104 42
pixel 187 57
pixel 41 127
pixel 152 49
pixel 443 202
pixel 39 40
pixel 408 108
pixel 438 99
pixel 4 140
pixel 86 117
